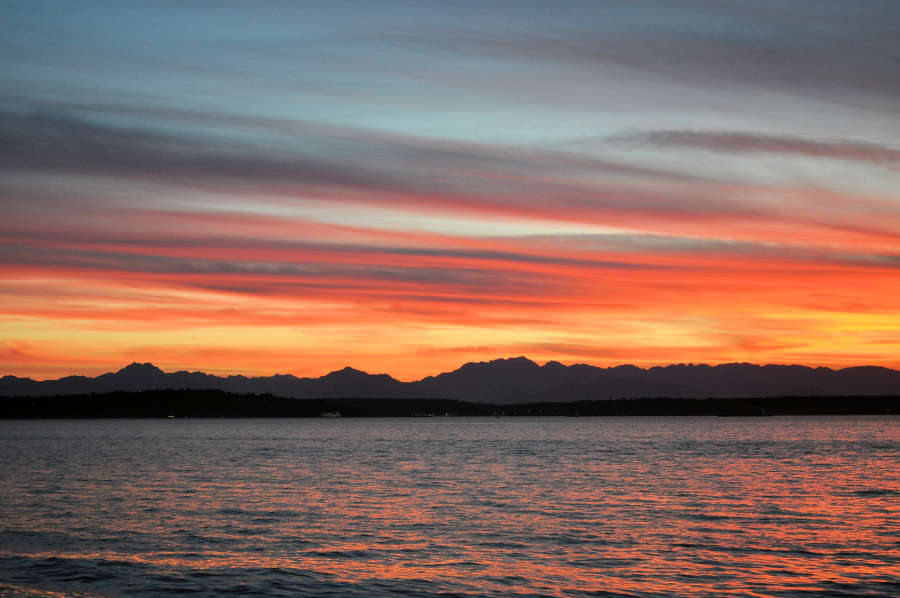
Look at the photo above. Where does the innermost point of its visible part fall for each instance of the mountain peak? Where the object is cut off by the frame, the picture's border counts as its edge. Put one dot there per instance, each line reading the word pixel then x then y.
pixel 346 371
pixel 520 360
pixel 502 361
pixel 140 368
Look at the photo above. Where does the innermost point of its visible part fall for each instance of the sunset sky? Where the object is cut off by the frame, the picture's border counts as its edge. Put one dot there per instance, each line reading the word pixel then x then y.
pixel 263 187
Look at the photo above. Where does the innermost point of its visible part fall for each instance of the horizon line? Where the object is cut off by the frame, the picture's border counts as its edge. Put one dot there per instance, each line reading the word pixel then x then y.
pixel 501 359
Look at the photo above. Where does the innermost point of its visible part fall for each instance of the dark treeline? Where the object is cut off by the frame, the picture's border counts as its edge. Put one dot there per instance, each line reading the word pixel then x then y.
pixel 216 403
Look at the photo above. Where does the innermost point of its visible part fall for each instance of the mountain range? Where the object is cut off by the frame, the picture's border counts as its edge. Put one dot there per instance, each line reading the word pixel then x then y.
pixel 501 381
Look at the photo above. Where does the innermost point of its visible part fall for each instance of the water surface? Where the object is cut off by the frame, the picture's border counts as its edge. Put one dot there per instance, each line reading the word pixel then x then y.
pixel 786 506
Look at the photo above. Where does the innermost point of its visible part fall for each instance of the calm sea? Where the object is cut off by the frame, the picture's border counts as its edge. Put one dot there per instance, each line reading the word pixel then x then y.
pixel 792 506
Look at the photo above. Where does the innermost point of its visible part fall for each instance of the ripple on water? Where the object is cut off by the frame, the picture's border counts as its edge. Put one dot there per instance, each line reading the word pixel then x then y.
pixel 459 507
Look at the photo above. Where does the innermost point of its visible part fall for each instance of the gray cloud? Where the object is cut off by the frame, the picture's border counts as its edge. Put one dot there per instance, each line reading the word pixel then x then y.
pixel 348 164
pixel 307 259
pixel 286 250
pixel 822 48
pixel 60 143
pixel 669 245
pixel 65 138
pixel 729 141
pixel 268 277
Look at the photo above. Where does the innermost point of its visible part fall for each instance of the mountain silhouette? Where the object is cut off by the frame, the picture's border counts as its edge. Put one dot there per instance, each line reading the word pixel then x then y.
pixel 501 381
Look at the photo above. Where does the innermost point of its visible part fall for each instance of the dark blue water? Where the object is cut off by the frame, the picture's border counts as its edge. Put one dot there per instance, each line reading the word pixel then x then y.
pixel 451 506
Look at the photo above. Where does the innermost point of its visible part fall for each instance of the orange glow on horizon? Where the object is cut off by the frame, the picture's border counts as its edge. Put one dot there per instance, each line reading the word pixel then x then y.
pixel 384 286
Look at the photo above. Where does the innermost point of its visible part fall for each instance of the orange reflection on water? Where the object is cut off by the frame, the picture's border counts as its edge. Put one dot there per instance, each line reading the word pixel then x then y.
pixel 691 507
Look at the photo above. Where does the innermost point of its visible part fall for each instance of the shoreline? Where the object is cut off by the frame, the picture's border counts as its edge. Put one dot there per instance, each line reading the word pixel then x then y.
pixel 171 403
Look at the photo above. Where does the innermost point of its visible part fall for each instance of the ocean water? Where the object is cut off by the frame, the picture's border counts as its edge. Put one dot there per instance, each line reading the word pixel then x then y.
pixel 783 506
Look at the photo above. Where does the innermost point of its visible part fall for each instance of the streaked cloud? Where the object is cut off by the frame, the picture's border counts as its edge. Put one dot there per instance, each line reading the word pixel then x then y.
pixel 408 186
pixel 747 143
